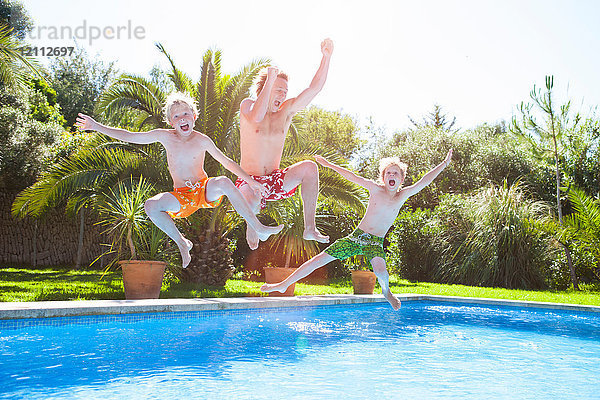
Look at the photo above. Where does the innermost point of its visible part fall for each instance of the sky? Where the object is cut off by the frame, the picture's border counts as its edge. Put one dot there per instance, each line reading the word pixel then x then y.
pixel 393 59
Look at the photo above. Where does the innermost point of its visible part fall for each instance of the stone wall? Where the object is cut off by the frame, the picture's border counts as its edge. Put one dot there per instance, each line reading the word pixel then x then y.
pixel 49 241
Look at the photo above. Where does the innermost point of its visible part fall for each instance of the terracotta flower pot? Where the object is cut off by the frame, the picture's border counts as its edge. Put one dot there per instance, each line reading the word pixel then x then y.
pixel 363 282
pixel 142 279
pixel 276 275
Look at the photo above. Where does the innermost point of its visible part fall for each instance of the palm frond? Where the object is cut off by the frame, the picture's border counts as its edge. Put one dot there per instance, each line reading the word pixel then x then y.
pixel 134 92
pixel 15 67
pixel 90 170
pixel 183 83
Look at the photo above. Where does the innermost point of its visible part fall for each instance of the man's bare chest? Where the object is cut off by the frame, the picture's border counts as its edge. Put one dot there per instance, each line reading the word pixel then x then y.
pixel 274 124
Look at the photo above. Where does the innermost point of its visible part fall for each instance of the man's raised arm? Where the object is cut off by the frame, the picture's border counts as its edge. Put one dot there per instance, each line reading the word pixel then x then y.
pixel 256 110
pixel 303 99
pixel 87 123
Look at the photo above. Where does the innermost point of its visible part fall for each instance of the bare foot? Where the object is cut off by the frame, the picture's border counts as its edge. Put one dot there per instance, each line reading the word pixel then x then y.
pixel 266 231
pixel 251 238
pixel 274 287
pixel 184 249
pixel 313 234
pixel 393 300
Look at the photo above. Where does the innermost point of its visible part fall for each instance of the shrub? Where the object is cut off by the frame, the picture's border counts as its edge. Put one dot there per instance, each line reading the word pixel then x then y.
pixel 503 246
pixel 490 238
pixel 412 252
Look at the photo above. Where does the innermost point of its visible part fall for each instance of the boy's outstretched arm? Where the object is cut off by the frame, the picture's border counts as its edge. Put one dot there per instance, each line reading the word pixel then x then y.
pixel 87 123
pixel 351 176
pixel 232 166
pixel 429 177
pixel 303 99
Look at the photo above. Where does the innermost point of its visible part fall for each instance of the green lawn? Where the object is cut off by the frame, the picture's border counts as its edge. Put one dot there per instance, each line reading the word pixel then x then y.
pixel 27 284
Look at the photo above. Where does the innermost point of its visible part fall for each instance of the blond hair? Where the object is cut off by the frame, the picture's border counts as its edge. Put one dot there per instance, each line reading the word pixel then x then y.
pixel 384 163
pixel 178 98
pixel 262 79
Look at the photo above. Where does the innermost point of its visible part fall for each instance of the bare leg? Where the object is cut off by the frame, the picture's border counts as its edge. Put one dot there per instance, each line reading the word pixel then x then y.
pixel 304 270
pixel 383 277
pixel 254 202
pixel 156 209
pixel 306 173
pixel 217 187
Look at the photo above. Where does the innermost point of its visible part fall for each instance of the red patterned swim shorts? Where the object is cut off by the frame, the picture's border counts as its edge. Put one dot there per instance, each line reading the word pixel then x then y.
pixel 274 184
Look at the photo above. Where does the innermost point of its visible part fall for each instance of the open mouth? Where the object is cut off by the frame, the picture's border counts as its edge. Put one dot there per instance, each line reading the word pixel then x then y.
pixel 185 127
pixel 392 182
pixel 277 103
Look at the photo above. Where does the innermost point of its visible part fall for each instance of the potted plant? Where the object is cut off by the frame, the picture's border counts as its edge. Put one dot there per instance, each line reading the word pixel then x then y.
pixel 363 280
pixel 132 234
pixel 274 274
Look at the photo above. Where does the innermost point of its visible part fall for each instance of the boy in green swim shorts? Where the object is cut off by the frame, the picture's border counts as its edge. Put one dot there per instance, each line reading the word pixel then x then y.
pixel 386 197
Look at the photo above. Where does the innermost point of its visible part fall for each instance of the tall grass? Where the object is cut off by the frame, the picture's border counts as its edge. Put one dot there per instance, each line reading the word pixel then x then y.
pixel 503 247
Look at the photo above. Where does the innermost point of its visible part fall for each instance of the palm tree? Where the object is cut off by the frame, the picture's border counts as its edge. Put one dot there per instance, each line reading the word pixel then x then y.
pixel 218 96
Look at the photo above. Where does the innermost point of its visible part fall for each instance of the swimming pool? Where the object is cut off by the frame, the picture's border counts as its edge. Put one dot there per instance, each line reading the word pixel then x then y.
pixel 426 350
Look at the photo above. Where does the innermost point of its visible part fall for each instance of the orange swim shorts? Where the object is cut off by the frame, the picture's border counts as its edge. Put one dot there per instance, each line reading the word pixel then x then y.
pixel 192 197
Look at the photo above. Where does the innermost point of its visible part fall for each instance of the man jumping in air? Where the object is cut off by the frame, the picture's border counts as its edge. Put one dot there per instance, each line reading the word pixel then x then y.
pixel 264 124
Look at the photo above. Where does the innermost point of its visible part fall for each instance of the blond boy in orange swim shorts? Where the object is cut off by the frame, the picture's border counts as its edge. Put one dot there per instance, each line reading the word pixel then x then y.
pixel 186 149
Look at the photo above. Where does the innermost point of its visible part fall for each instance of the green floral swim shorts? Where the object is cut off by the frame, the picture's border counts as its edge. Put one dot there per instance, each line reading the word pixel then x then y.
pixel 358 242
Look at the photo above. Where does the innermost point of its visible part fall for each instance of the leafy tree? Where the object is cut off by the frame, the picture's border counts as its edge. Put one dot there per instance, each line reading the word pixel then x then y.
pixel 43 103
pixel 14 15
pixel 373 139
pixel 436 119
pixel 546 139
pixel 78 81
pixel 582 155
pixel 26 143
pixel 331 130
pixel 484 155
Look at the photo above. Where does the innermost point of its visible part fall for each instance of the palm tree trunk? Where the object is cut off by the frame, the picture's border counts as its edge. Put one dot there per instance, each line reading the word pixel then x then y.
pixel 288 256
pixel 130 243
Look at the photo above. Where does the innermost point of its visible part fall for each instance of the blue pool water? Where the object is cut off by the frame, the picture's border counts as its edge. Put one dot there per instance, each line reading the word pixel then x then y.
pixel 427 350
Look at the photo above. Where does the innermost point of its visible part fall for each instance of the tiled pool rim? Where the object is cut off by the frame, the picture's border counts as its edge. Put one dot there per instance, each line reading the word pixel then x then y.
pixel 50 309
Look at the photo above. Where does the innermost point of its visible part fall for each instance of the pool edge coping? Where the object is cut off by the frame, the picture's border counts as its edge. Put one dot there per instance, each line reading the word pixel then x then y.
pixel 51 309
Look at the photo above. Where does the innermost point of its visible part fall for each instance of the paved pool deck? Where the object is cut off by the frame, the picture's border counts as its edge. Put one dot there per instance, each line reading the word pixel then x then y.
pixel 50 309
